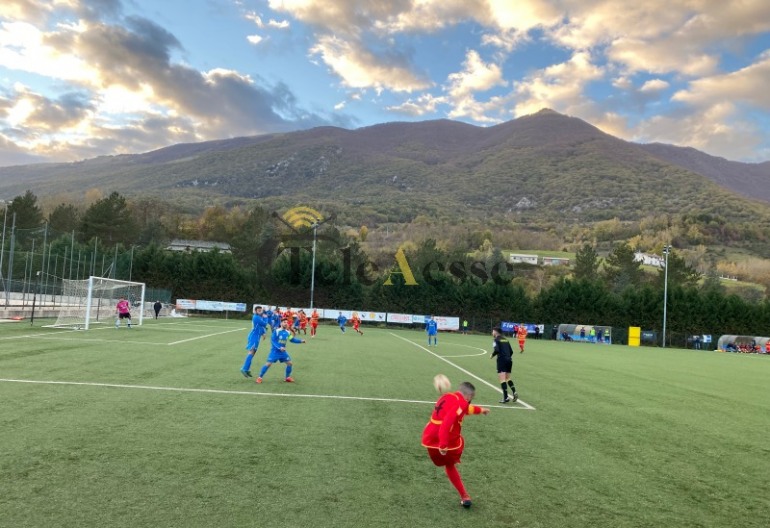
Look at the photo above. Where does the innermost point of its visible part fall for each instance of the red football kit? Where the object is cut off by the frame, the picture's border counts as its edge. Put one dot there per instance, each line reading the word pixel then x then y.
pixel 444 431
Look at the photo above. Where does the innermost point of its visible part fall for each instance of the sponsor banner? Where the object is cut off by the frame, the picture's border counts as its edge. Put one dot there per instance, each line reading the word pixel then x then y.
pixel 210 306
pixel 447 323
pixel 334 314
pixel 509 327
pixel 375 317
pixel 185 304
pixel 419 319
pixel 364 316
pixel 399 318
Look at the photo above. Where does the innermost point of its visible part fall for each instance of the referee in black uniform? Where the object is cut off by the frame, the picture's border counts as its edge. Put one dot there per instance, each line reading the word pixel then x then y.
pixel 504 353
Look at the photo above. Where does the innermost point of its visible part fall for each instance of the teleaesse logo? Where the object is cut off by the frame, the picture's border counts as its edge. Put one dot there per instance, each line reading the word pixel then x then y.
pixel 303 216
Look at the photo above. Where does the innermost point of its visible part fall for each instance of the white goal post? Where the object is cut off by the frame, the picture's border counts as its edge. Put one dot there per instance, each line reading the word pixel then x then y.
pixel 94 300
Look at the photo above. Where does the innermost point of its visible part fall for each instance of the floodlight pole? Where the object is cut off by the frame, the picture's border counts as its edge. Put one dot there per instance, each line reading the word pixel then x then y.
pixel 312 267
pixel 666 251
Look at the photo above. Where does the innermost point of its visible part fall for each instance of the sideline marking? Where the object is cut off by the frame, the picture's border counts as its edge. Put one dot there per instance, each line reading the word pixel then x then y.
pixel 222 391
pixel 471 374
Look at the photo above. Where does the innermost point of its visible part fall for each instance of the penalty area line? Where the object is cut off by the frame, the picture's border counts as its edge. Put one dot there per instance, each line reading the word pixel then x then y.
pixel 205 336
pixel 523 404
pixel 221 391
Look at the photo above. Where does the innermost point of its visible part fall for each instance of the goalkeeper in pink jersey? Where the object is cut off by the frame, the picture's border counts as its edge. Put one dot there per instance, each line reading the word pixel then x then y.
pixel 123 310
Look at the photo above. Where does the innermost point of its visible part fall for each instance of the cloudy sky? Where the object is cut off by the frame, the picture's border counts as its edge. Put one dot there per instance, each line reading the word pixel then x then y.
pixel 84 78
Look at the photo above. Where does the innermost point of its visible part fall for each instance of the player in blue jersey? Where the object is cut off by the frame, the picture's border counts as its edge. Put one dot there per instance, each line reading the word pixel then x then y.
pixel 431 328
pixel 274 318
pixel 268 313
pixel 278 354
pixel 342 320
pixel 258 330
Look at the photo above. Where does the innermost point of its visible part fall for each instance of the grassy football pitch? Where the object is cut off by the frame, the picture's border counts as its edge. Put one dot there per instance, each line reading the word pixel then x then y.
pixel 156 427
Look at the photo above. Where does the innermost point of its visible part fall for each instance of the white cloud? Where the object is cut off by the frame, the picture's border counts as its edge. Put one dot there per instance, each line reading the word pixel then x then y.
pixel 123 92
pixel 718 129
pixel 662 56
pixel 23 47
pixel 424 105
pixel 748 85
pixel 477 76
pixel 360 68
pixel 560 87
pixel 278 24
pixel 254 39
pixel 654 85
pixel 522 15
pixel 254 17
pixel 272 23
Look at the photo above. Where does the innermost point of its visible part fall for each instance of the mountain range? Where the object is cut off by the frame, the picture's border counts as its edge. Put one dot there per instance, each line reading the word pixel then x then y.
pixel 543 166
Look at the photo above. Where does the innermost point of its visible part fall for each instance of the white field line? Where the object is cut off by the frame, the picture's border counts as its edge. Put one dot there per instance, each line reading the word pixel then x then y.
pixel 485 382
pixel 204 336
pixel 58 336
pixel 25 336
pixel 466 346
pixel 194 326
pixel 96 340
pixel 220 391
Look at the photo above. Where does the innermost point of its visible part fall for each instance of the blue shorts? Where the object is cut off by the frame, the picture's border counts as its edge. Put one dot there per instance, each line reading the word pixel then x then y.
pixel 276 356
pixel 252 342
pixel 432 333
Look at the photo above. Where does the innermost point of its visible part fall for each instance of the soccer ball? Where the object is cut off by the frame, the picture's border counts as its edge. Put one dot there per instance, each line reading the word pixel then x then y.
pixel 441 383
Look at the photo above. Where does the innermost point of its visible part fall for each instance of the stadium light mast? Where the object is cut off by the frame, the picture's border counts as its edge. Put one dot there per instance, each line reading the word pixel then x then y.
pixel 312 266
pixel 666 251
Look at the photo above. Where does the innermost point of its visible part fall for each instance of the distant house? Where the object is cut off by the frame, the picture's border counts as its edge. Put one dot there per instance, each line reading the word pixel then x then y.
pixel 555 261
pixel 648 259
pixel 203 246
pixel 517 258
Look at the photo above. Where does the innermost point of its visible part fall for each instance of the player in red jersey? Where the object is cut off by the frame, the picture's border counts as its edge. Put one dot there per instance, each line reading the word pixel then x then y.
pixel 314 322
pixel 288 315
pixel 521 335
pixel 302 322
pixel 356 322
pixel 442 435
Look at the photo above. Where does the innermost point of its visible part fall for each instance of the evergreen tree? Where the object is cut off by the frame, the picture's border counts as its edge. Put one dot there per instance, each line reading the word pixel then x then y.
pixel 586 264
pixel 110 220
pixel 679 272
pixel 29 216
pixel 65 218
pixel 621 270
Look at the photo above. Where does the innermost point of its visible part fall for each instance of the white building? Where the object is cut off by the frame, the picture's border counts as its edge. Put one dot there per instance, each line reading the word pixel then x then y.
pixel 649 260
pixel 518 258
pixel 555 261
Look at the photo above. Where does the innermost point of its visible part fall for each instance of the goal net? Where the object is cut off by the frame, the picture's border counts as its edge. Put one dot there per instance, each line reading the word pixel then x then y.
pixel 94 300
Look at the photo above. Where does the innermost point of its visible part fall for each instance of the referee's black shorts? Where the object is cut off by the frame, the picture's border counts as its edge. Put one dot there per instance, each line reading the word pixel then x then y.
pixel 504 365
